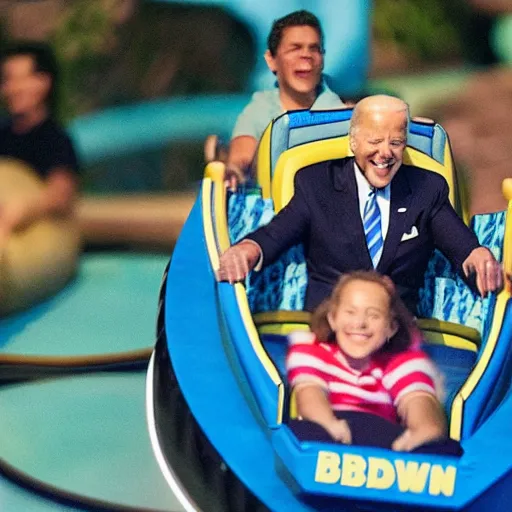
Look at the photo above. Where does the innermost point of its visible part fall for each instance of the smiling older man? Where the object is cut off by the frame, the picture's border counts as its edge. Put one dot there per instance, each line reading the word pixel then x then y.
pixel 369 211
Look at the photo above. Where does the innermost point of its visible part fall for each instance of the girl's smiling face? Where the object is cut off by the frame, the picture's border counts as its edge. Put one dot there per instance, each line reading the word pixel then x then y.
pixel 362 321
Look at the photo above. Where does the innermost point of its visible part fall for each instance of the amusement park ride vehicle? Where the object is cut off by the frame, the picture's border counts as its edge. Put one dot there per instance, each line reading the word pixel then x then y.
pixel 217 397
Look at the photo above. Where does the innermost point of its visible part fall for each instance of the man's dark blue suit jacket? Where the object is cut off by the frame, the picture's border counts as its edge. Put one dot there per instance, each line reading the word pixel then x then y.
pixel 324 215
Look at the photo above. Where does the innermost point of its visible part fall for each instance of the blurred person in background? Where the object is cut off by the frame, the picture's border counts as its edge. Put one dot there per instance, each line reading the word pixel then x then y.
pixel 39 235
pixel 32 134
pixel 295 55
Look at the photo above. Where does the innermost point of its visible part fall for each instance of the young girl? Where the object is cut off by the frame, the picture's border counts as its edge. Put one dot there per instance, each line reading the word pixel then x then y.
pixel 358 381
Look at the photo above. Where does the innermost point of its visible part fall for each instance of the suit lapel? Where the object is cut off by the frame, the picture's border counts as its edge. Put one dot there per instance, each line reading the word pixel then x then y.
pixel 346 208
pixel 401 195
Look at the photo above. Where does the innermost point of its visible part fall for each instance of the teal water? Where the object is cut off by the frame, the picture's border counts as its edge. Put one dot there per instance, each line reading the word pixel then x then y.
pixel 87 433
pixel 110 307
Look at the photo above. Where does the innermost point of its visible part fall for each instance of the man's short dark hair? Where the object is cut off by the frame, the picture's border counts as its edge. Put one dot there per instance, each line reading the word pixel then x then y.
pixel 44 62
pixel 294 19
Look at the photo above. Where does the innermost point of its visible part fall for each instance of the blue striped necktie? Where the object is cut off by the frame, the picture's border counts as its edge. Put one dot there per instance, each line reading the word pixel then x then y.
pixel 372 227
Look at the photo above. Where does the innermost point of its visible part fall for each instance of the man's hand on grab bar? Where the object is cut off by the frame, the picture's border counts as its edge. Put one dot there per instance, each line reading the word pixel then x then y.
pixel 238 261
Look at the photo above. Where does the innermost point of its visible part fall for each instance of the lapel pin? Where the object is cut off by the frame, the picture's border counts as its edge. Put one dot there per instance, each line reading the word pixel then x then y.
pixel 402 210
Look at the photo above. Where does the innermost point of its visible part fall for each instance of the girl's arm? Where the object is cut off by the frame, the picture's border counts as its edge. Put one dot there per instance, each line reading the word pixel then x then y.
pixel 313 405
pixel 424 419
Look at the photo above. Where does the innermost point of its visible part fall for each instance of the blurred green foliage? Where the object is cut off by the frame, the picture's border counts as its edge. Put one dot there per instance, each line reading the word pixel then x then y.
pixel 155 52
pixel 81 42
pixel 429 30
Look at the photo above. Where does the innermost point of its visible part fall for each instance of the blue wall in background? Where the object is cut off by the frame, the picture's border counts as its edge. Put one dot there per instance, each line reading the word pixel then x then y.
pixel 346 25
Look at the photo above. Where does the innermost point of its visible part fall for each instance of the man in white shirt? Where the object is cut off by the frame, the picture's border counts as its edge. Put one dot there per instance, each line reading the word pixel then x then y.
pixel 295 55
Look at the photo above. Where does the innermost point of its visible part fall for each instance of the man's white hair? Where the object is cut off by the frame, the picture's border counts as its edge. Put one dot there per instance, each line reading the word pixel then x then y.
pixel 377 103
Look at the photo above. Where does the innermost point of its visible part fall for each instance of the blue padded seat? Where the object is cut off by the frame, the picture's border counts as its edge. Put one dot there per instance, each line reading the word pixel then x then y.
pixel 299 127
pixel 454 364
pixel 292 129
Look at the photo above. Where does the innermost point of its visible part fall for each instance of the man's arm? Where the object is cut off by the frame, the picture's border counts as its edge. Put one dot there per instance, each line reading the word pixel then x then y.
pixel 461 246
pixel 241 154
pixel 62 178
pixel 248 129
pixel 60 192
pixel 57 197
pixel 287 228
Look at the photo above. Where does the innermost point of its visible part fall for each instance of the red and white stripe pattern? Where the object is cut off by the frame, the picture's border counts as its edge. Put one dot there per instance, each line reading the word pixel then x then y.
pixel 376 390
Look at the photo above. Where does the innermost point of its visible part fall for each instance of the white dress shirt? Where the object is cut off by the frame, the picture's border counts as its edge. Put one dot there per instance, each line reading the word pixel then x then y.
pixel 383 199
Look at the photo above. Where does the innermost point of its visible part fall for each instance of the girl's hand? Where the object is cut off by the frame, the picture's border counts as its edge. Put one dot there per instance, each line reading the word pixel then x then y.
pixel 340 431
pixel 411 439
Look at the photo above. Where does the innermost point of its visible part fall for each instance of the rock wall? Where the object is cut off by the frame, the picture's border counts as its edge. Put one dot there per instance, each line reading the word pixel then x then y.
pixel 479 123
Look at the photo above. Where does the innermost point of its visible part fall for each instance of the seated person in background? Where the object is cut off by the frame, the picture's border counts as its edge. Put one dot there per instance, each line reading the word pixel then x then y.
pixel 296 56
pixel 358 381
pixel 368 212
pixel 31 134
